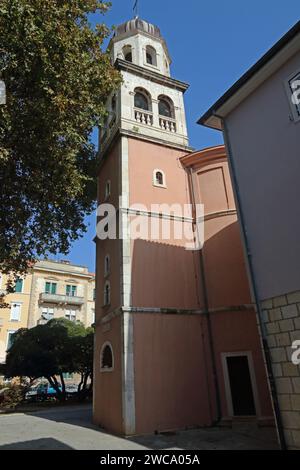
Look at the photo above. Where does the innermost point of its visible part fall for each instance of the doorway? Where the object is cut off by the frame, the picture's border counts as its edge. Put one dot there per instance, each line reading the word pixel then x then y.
pixel 240 384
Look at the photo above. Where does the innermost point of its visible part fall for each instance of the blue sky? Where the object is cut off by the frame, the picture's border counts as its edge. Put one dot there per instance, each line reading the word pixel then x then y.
pixel 212 44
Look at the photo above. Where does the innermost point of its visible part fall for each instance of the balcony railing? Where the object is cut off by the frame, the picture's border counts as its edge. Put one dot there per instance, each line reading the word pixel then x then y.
pixel 61 299
pixel 167 124
pixel 143 117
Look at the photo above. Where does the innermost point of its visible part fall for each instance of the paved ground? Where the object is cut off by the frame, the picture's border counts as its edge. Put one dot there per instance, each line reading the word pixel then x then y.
pixel 71 428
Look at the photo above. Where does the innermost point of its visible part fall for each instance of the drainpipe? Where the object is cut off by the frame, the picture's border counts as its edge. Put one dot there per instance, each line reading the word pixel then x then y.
pixel 207 315
pixel 253 285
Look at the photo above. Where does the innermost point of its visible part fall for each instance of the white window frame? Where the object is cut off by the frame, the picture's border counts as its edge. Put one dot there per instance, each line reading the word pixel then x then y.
pixel 107 369
pixel 20 311
pixel 164 185
pixel 154 55
pixel 249 356
pixel 45 310
pixel 72 314
pixel 294 107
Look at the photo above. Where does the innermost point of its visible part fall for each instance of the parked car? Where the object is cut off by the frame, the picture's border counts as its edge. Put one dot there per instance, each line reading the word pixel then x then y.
pixel 41 392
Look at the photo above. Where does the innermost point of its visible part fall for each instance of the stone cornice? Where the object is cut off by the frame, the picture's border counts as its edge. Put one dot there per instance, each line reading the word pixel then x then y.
pixel 172 311
pixel 121 64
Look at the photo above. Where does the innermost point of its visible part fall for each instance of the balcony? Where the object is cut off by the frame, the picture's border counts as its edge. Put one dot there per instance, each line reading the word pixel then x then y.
pixel 61 299
pixel 143 117
pixel 167 124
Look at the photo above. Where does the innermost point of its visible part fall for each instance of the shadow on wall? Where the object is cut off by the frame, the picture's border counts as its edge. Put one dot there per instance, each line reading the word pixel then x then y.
pixel 225 269
pixel 37 444
pixel 165 275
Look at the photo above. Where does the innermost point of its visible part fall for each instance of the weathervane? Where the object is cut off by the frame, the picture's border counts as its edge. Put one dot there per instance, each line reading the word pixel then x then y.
pixel 136 8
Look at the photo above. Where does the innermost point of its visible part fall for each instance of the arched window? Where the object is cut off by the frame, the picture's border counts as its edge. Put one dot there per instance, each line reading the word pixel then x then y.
pixel 151 56
pixel 106 358
pixel 107 189
pixel 106 265
pixel 165 107
pixel 159 178
pixel 142 99
pixel 106 293
pixel 127 53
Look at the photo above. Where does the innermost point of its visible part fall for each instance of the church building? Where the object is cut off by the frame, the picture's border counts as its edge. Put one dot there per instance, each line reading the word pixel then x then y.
pixel 177 344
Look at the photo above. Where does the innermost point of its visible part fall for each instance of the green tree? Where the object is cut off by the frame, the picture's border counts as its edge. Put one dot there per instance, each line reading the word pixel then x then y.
pixel 57 79
pixel 48 351
pixel 83 347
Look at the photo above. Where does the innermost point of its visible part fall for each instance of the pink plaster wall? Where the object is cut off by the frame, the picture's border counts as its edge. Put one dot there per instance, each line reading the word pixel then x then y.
pixel 108 385
pixel 144 157
pixel 237 332
pixel 108 171
pixel 171 387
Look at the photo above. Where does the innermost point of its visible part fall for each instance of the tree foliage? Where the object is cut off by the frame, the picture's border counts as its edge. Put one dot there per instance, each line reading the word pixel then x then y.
pixel 51 350
pixel 57 79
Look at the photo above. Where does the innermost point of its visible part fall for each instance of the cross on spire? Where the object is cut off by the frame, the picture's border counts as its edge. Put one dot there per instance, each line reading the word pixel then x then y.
pixel 136 8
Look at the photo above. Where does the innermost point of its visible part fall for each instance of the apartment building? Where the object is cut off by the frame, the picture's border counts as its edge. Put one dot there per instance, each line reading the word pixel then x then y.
pixel 51 289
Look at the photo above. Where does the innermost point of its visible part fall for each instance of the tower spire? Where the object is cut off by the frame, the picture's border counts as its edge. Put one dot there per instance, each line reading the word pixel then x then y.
pixel 136 8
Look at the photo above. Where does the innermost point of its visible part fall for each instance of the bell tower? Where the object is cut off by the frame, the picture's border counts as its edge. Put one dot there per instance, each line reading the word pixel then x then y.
pixel 144 136
pixel 149 102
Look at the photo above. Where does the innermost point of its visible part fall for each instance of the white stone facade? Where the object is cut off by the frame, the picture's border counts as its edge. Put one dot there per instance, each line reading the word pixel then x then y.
pixel 153 80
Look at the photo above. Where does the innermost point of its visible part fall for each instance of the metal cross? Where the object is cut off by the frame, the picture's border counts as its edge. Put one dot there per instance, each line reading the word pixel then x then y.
pixel 136 8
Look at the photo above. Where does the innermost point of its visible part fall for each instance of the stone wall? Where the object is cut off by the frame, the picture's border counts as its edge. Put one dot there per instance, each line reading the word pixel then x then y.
pixel 281 316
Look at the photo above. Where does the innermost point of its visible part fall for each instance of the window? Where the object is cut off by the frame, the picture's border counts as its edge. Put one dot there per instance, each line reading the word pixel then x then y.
pixel 48 313
pixel 159 178
pixel 50 287
pixel 70 315
pixel 151 56
pixel 106 358
pixel 94 294
pixel 106 265
pixel 127 53
pixel 10 339
pixel 141 101
pixel 15 312
pixel 68 375
pixel 19 285
pixel 107 189
pixel 107 293
pixel 71 291
pixel 165 107
pixel 293 91
pixel 93 317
